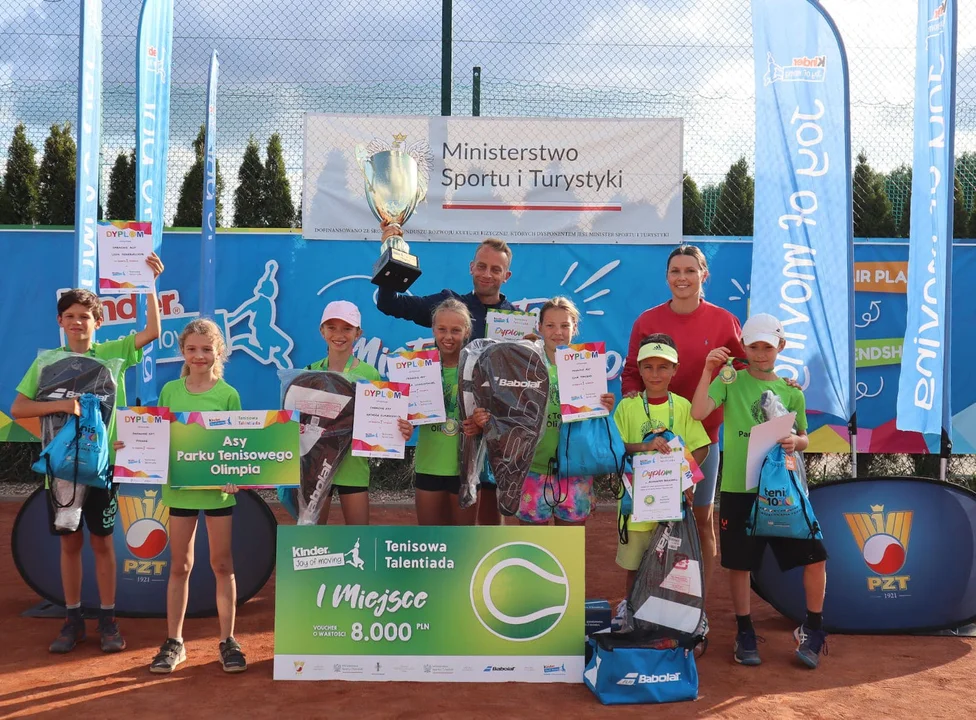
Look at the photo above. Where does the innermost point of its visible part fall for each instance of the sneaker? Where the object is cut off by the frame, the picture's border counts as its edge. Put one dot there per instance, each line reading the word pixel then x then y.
pixel 171 654
pixel 809 645
pixel 231 656
pixel 72 633
pixel 746 650
pixel 112 640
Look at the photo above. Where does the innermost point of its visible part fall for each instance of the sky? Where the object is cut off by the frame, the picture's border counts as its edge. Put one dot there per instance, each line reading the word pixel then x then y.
pixel 582 58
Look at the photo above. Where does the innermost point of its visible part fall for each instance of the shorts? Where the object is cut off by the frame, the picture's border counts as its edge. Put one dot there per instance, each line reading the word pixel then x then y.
pixel 705 488
pixel 190 512
pixel 438 483
pixel 350 489
pixel 741 551
pixel 629 556
pixel 98 512
pixel 546 496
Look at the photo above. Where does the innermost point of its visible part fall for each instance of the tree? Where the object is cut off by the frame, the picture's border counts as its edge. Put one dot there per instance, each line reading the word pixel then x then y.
pixel 189 208
pixel 19 203
pixel 872 208
pixel 733 213
pixel 298 210
pixel 898 185
pixel 279 210
pixel 56 178
pixel 248 207
pixel 692 208
pixel 121 203
pixel 960 218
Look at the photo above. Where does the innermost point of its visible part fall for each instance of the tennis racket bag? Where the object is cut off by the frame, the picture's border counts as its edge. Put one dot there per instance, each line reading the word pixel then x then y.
pixel 510 379
pixel 325 402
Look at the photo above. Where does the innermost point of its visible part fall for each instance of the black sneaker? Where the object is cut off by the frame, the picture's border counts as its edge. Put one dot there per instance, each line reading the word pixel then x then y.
pixel 231 657
pixel 111 637
pixel 171 654
pixel 72 633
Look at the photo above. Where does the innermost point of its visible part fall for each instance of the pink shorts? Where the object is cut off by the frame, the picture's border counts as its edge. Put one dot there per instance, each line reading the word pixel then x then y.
pixel 546 496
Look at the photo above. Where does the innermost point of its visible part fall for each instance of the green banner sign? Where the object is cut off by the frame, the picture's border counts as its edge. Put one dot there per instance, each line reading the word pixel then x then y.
pixel 442 604
pixel 249 449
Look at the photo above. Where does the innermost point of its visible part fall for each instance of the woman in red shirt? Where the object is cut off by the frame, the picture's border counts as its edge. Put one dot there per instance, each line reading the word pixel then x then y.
pixel 697 327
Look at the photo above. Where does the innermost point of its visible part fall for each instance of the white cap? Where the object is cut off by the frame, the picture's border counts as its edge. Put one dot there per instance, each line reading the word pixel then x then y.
pixel 763 327
pixel 342 310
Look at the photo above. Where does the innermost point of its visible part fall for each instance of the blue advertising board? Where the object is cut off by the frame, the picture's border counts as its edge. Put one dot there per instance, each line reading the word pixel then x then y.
pixel 272 287
pixel 902 557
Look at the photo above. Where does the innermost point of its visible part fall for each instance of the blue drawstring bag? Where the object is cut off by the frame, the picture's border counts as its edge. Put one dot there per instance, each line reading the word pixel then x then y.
pixel 782 508
pixel 79 450
pixel 590 447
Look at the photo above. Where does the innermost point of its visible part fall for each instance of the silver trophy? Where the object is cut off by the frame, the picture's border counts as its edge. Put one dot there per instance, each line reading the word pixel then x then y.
pixel 396 180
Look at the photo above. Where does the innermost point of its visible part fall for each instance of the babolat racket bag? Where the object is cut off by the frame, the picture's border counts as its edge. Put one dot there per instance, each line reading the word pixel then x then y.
pixel 667 595
pixel 638 667
pixel 63 375
pixel 472 449
pixel 325 402
pixel 511 381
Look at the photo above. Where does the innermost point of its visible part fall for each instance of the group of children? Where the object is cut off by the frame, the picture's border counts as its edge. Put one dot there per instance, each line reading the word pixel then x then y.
pixel 546 496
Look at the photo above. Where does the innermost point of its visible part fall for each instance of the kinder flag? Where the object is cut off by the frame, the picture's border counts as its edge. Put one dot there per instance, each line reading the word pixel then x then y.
pixel 153 49
pixel 923 386
pixel 89 139
pixel 208 246
pixel 803 252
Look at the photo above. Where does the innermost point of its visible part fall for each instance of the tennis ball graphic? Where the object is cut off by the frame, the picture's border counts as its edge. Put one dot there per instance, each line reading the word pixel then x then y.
pixel 648 499
pixel 519 591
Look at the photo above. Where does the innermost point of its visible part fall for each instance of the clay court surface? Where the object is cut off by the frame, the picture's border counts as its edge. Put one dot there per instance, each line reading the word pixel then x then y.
pixel 862 677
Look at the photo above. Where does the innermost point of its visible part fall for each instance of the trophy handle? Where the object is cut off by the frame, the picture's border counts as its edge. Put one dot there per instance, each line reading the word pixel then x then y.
pixel 364 165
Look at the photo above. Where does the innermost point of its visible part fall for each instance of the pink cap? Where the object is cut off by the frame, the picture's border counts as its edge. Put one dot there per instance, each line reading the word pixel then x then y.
pixel 342 310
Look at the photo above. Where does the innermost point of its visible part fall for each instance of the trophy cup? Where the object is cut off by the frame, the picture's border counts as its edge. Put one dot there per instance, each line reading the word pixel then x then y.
pixel 396 180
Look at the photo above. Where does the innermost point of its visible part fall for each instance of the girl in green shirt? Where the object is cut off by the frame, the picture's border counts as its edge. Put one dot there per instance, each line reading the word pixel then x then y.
pixel 437 462
pixel 200 388
pixel 341 328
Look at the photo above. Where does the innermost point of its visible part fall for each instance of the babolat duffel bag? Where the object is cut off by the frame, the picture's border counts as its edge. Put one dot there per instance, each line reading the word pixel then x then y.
pixel 635 667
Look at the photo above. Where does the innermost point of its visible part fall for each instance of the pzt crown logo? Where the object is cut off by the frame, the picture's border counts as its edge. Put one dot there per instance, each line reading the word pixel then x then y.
pixel 883 541
pixel 145 524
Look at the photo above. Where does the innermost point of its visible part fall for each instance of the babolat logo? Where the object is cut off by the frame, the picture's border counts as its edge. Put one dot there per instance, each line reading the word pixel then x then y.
pixel 882 539
pixel 639 679
pixel 519 591
pixel 505 382
pixel 495 668
pixel 63 393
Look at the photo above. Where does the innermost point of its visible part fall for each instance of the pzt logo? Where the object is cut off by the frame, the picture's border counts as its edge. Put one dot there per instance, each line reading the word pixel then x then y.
pixel 641 679
pixel 883 541
pixel 145 524
pixel 504 382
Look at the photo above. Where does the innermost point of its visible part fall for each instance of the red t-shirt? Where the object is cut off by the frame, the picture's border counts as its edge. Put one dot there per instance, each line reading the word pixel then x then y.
pixel 696 334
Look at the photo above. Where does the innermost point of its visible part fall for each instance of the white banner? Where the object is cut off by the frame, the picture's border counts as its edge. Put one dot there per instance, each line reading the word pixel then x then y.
pixel 519 179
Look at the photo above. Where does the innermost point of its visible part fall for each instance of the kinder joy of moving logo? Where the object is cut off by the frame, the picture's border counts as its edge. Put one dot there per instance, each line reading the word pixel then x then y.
pixel 145 525
pixel 883 540
pixel 519 591
pixel 803 69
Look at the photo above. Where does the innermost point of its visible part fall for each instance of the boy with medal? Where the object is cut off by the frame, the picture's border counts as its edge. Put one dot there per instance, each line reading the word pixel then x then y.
pixel 645 415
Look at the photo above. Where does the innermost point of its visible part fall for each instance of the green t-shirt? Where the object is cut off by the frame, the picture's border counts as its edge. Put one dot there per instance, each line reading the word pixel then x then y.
pixel 549 444
pixel 437 444
pixel 352 471
pixel 177 398
pixel 634 422
pixel 123 348
pixel 743 410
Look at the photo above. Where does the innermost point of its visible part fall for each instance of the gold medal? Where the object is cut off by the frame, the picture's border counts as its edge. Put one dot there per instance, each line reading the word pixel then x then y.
pixel 727 374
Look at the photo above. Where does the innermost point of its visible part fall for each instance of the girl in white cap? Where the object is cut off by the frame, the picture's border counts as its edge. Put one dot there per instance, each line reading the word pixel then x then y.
pixel 341 327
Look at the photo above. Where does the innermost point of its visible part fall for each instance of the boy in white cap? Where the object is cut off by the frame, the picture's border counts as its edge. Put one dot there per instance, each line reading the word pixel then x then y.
pixel 341 328
pixel 742 393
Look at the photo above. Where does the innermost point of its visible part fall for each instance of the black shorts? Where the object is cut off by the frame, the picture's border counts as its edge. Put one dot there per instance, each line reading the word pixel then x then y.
pixel 189 512
pixel 350 489
pixel 98 513
pixel 742 551
pixel 438 483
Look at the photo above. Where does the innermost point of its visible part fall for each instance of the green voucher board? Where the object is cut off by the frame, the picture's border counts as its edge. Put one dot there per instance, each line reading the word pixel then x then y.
pixel 437 604
pixel 252 449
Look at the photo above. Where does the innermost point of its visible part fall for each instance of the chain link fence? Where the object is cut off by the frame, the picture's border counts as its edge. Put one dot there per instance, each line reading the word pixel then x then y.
pixel 547 58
